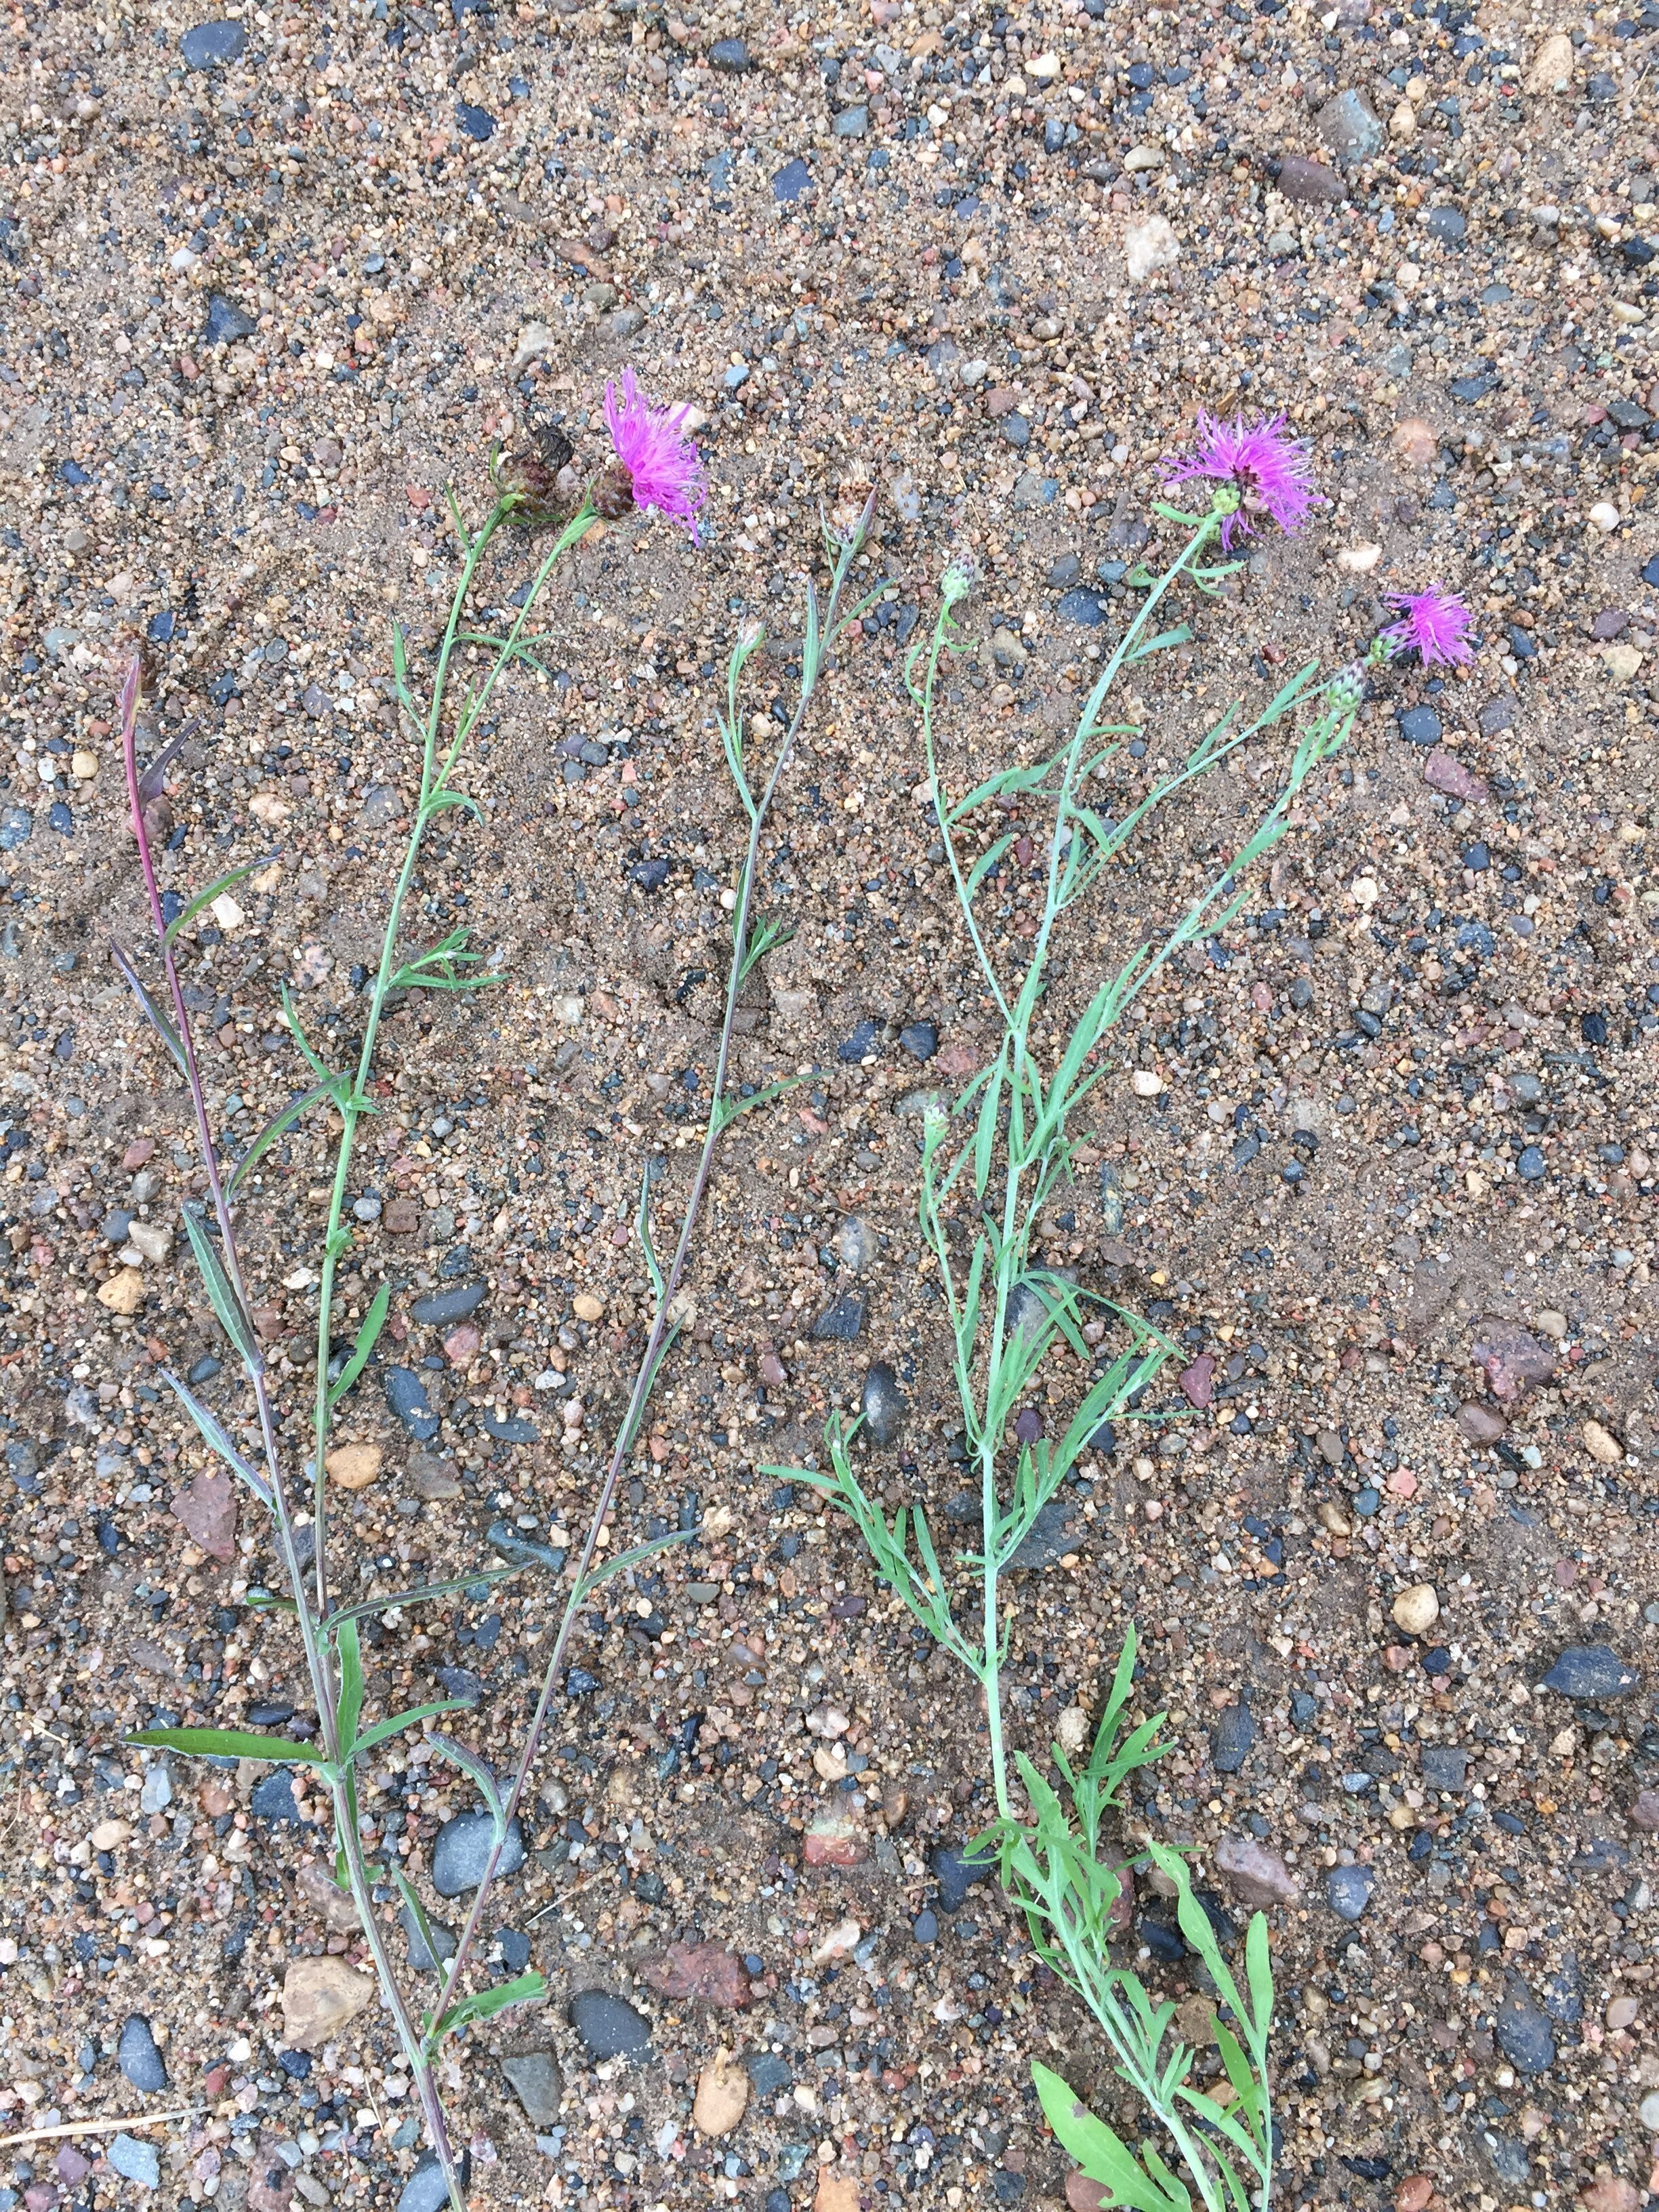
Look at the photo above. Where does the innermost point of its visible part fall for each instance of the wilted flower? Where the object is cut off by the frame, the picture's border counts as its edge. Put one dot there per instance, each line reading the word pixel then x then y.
pixel 656 464
pixel 545 488
pixel 1434 625
pixel 1269 472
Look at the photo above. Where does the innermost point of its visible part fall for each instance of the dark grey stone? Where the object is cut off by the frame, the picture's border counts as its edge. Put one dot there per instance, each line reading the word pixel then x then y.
pixel 1309 183
pixel 1027 1313
pixel 139 2058
pixel 731 55
pixel 609 2026
pixel 851 123
pixel 919 1040
pixel 534 2079
pixel 1350 126
pixel 925 1926
pixel 1235 1734
pixel 1083 607
pixel 461 1851
pixel 1524 2034
pixel 422 1958
pixel 1590 1671
pixel 510 1428
pixel 649 875
pixel 1531 1166
pixel 477 122
pixel 521 1550
pixel 1445 1766
pixel 768 2075
pixel 955 1875
pixel 1497 715
pixel 134 2161
pixel 405 1394
pixel 1450 224
pixel 1016 430
pixel 1420 726
pixel 840 1323
pixel 1059 1530
pixel 1506 2157
pixel 227 322
pixel 426 2190
pixel 211 45
pixel 1349 1889
pixel 445 1306
pixel 273 1797
pixel 1065 572
pixel 862 1039
pixel 882 1405
pixel 793 179
pixel 1564 1992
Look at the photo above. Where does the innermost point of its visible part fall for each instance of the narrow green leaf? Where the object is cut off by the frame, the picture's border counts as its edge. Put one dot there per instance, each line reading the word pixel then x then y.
pixel 334 1086
pixel 349 1710
pixel 160 1023
pixel 1102 2155
pixel 373 1322
pixel 634 1558
pixel 230 1743
pixel 439 799
pixel 279 1124
pixel 395 1723
pixel 642 1223
pixel 1259 1973
pixel 419 1595
pixel 485 2004
pixel 214 1434
pixel 225 1302
pixel 986 860
pixel 220 884
pixel 469 1763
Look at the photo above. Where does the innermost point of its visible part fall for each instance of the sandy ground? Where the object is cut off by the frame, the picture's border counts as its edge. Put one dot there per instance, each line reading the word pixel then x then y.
pixel 269 286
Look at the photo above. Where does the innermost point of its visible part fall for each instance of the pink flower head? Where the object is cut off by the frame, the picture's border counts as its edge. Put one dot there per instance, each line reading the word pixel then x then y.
pixel 1270 472
pixel 1434 625
pixel 664 467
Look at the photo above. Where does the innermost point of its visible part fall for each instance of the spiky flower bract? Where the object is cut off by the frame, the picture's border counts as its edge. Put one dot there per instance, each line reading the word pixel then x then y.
pixel 1269 470
pixel 656 464
pixel 1434 625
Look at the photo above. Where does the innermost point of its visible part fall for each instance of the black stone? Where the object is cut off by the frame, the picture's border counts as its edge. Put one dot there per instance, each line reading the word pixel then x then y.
pixel 862 1040
pixel 649 875
pixel 461 1852
pixel 1445 1766
pixel 521 1550
pixel 1449 225
pixel 405 1394
pixel 919 1040
pixel 140 2060
pixel 1235 1733
pixel 227 322
pixel 793 179
pixel 1349 1889
pixel 609 2026
pixel 1420 726
pixel 211 46
pixel 731 55
pixel 955 1873
pixel 445 1306
pixel 882 1405
pixel 925 1926
pixel 1162 1940
pixel 1524 2034
pixel 840 1323
pixel 477 122
pixel 1590 1671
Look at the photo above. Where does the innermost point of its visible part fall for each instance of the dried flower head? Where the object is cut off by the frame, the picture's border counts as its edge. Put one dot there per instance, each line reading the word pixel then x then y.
pixel 1269 472
pixel 545 488
pixel 1434 625
pixel 656 464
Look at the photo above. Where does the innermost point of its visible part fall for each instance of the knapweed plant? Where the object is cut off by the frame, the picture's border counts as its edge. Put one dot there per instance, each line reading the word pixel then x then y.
pixel 991 1163
pixel 653 466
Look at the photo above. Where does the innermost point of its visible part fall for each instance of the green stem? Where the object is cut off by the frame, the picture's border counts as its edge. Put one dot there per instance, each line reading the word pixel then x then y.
pixel 435 777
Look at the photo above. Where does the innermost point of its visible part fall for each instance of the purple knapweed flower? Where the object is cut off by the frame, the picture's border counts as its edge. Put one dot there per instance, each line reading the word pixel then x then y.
pixel 1270 471
pixel 656 464
pixel 1434 625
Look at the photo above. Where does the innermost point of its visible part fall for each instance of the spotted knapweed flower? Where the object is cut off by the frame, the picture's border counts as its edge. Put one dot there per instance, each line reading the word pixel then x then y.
pixel 1269 472
pixel 543 485
pixel 1433 624
pixel 656 464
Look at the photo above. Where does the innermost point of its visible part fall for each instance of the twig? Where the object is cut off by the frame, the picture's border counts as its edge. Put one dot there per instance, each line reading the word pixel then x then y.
pixel 100 2127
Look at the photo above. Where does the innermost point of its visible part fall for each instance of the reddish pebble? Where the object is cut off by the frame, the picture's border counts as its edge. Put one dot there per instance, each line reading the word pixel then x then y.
pixel 1403 1483
pixel 213 2085
pixel 461 1344
pixel 137 1152
pixel 1415 2192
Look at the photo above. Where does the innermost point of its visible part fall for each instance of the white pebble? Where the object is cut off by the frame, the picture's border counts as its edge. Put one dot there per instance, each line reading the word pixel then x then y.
pixel 1604 514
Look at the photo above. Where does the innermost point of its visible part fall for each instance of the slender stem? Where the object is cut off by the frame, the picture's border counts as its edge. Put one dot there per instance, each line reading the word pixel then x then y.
pixel 656 1341
pixel 316 1656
